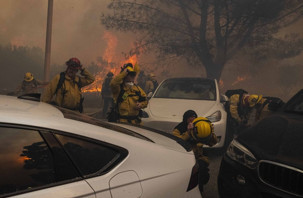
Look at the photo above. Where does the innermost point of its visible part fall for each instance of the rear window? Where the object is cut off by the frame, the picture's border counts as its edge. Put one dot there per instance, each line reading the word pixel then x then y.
pixel 91 158
pixel 187 88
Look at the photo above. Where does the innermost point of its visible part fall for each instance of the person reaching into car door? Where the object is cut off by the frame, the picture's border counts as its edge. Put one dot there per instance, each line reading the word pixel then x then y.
pixel 198 131
pixel 151 83
pixel 242 110
pixel 129 98
pixel 66 86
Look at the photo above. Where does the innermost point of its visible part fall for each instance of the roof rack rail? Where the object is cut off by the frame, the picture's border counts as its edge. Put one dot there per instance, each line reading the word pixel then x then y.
pixel 30 96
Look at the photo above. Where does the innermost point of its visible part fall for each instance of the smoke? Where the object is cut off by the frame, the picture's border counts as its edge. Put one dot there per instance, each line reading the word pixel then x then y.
pixel 76 30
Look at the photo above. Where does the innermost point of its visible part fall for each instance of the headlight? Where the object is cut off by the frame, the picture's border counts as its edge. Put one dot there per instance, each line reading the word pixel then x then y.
pixel 215 117
pixel 239 153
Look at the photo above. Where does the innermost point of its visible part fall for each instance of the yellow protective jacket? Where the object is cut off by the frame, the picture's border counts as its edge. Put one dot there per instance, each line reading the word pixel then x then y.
pixel 233 108
pixel 69 95
pixel 130 98
pixel 197 147
pixel 30 87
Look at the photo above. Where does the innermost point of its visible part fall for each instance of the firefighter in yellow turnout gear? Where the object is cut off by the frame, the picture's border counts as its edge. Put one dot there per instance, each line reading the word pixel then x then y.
pixel 29 84
pixel 198 131
pixel 151 83
pixel 66 87
pixel 241 107
pixel 129 97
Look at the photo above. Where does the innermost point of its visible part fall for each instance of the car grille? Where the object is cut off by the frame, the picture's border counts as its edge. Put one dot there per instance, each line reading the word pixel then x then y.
pixel 282 177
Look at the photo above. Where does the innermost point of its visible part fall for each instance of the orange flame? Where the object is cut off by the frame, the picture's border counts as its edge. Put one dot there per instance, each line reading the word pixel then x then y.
pixel 239 79
pixel 111 46
pixel 108 56
pixel 96 86
pixel 132 59
pixel 22 159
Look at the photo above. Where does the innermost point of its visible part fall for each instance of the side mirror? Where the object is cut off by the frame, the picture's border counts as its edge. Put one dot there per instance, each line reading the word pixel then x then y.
pixel 223 98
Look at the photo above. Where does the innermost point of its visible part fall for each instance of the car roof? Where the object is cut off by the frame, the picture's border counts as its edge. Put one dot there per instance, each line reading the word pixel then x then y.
pixel 25 111
pixel 10 105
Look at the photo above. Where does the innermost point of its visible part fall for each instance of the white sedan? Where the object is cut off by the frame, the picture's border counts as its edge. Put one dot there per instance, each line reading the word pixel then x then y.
pixel 51 152
pixel 174 96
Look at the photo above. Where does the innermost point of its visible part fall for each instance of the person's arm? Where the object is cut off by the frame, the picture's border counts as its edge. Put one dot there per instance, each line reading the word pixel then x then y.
pixel 50 89
pixel 233 108
pixel 87 78
pixel 39 82
pixel 184 136
pixel 142 103
pixel 116 82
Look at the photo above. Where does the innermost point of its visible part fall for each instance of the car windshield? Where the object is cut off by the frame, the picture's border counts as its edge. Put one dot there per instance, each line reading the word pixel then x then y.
pixel 295 104
pixel 187 88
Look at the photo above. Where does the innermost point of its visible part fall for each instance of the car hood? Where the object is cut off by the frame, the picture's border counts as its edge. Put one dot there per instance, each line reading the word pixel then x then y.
pixel 173 109
pixel 277 138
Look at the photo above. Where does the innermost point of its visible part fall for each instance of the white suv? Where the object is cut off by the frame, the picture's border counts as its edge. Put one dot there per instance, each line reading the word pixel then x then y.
pixel 174 96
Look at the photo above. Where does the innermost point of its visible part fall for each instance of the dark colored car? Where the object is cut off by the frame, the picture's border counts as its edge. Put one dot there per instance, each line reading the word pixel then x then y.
pixel 266 160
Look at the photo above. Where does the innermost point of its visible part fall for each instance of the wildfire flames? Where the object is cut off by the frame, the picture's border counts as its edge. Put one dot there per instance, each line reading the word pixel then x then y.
pixel 108 55
pixel 239 79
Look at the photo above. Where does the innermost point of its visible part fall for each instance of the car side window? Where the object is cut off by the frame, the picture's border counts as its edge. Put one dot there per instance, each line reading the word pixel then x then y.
pixel 26 161
pixel 90 157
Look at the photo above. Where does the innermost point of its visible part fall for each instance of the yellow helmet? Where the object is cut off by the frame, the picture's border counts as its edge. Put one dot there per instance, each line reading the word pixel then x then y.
pixel 28 76
pixel 202 130
pixel 254 99
pixel 151 75
pixel 128 66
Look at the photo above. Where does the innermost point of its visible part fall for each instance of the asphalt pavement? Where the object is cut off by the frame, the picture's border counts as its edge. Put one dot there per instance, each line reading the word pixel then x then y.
pixel 211 189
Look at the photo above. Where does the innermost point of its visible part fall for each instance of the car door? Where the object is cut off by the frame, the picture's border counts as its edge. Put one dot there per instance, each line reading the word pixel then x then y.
pixel 32 167
pixel 95 160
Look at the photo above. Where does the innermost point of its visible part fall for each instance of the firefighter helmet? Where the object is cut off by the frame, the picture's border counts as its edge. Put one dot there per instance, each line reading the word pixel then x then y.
pixel 202 130
pixel 151 75
pixel 28 77
pixel 253 100
pixel 128 66
pixel 74 63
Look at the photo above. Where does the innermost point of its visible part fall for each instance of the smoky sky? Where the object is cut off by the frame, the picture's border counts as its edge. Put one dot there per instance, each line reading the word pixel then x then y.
pixel 76 30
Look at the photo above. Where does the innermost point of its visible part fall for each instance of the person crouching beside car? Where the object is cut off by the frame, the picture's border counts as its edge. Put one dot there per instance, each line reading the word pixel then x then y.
pixel 198 131
pixel 128 97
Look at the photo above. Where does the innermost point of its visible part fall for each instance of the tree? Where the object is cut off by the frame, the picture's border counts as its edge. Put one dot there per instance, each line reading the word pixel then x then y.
pixel 205 32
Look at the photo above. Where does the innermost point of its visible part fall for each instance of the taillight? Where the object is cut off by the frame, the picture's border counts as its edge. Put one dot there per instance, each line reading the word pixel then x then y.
pixel 194 178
